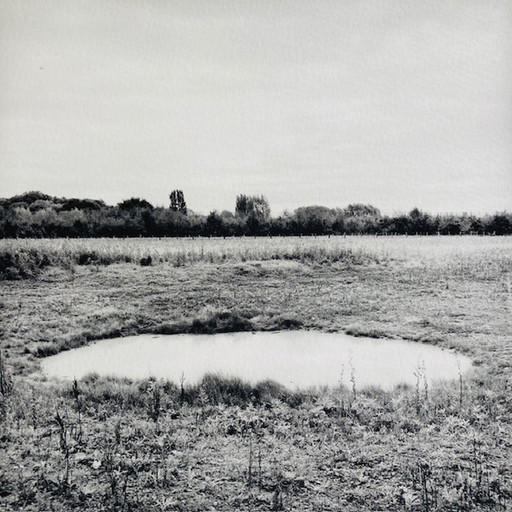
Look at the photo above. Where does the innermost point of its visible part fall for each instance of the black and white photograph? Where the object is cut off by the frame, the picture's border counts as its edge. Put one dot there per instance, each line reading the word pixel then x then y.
pixel 255 255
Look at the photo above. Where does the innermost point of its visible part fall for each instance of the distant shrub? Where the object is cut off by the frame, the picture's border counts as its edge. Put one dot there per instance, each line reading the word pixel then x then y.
pixel 146 262
pixel 25 263
pixel 86 258
pixel 11 268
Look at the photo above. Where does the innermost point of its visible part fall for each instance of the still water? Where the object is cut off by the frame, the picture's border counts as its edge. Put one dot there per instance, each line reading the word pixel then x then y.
pixel 296 359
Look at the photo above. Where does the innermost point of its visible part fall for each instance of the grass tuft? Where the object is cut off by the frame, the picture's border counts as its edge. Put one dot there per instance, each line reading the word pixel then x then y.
pixel 224 321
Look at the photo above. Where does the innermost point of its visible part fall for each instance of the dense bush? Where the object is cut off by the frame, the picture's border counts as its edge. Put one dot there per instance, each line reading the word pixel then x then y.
pixel 26 263
pixel 36 215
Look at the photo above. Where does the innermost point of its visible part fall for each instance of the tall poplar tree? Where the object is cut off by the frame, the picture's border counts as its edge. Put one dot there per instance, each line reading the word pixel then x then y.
pixel 178 203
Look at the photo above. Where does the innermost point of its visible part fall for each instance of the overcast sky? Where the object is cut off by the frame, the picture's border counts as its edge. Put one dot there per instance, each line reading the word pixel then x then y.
pixel 397 103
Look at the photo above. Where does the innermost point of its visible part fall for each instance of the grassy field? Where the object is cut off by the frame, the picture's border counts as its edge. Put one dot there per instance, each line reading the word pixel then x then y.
pixel 104 444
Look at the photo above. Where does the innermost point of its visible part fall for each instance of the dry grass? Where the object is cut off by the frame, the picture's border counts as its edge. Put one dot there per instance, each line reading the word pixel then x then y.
pixel 121 445
pixel 466 253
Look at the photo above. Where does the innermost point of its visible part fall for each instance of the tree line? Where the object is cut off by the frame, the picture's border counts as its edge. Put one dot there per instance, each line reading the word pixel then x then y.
pixel 37 215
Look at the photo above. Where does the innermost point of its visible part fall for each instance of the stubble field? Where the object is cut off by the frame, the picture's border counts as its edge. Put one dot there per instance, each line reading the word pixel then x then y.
pixel 104 444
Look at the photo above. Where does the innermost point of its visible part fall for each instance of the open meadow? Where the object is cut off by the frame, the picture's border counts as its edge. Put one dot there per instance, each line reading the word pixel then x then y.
pixel 104 444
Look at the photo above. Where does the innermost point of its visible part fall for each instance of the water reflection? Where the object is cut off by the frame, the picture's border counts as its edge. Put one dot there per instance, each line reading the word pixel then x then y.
pixel 296 359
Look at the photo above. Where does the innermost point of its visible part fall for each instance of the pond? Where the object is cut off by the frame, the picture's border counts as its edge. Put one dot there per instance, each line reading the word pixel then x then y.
pixel 296 359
